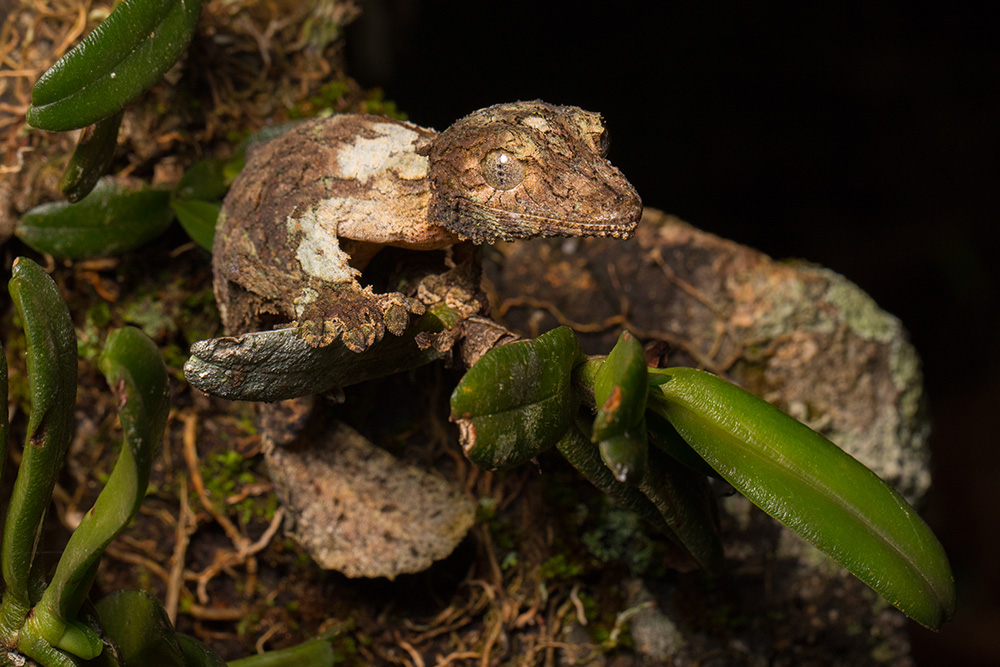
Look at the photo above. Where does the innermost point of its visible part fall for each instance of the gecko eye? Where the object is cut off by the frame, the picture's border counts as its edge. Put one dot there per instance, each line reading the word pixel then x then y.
pixel 605 143
pixel 501 170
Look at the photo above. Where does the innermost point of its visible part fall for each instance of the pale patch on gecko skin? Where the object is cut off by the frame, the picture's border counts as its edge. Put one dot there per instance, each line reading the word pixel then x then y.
pixel 538 123
pixel 319 252
pixel 391 151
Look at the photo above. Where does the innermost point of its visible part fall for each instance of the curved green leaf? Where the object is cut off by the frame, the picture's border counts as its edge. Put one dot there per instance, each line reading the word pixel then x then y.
pixel 198 219
pixel 205 180
pixel 197 654
pixel 620 391
pixel 118 216
pixel 135 371
pixel 51 360
pixel 4 425
pixel 123 56
pixel 517 400
pixel 669 496
pixel 137 623
pixel 312 653
pixel 92 157
pixel 812 486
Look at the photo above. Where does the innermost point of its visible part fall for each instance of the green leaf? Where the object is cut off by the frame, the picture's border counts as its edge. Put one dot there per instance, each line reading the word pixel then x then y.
pixel 517 400
pixel 118 216
pixel 137 623
pixel 4 425
pixel 135 371
pixel 669 496
pixel 197 654
pixel 205 180
pixel 812 486
pixel 198 219
pixel 626 454
pixel 123 56
pixel 620 390
pixel 684 500
pixel 582 454
pixel 92 157
pixel 51 360
pixel 313 653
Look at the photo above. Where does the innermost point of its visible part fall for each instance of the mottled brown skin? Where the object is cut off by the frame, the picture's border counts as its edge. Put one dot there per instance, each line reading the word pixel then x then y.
pixel 313 206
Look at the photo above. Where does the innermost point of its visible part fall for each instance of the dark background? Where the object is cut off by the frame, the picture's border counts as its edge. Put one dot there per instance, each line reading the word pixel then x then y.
pixel 861 136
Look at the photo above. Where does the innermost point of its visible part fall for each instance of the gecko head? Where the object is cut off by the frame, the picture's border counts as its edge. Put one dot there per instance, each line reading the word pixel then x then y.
pixel 527 169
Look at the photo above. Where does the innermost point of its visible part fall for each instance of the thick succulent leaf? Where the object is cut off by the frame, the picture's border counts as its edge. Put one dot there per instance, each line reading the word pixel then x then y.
pixel 620 388
pixel 92 157
pixel 197 654
pixel 198 219
pixel 582 454
pixel 664 436
pixel 517 400
pixel 137 623
pixel 626 454
pixel 51 360
pixel 205 180
pixel 669 496
pixel 123 56
pixel 279 364
pixel 684 500
pixel 118 216
pixel 813 487
pixel 313 653
pixel 4 425
pixel 135 371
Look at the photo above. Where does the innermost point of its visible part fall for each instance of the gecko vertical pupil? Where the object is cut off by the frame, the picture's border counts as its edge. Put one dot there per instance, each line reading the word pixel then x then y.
pixel 501 170
pixel 605 143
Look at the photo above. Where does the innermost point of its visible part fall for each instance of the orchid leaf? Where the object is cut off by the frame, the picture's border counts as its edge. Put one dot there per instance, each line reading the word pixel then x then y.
pixel 812 486
pixel 134 369
pixel 93 155
pixel 517 400
pixel 123 56
pixel 51 361
pixel 118 216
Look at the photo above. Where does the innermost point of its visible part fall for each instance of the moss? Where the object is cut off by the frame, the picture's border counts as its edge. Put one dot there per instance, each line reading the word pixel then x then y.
pixel 560 567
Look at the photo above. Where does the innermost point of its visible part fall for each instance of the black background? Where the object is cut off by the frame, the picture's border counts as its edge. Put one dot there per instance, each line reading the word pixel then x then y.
pixel 861 136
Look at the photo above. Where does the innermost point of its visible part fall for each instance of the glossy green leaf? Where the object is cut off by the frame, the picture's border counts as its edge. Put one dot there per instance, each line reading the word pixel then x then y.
pixel 313 653
pixel 4 425
pixel 197 654
pixel 123 56
pixel 92 157
pixel 627 453
pixel 137 623
pixel 51 361
pixel 582 454
pixel 620 388
pixel 116 217
pixel 812 486
pixel 517 400
pixel 669 496
pixel 684 500
pixel 665 437
pixel 132 365
pixel 205 180
pixel 198 219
